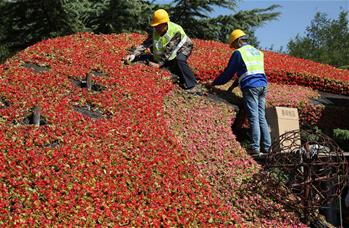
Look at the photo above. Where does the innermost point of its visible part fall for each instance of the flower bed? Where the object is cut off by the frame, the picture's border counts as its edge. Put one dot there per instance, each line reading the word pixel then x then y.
pixel 296 97
pixel 286 96
pixel 209 59
pixel 310 113
pixel 105 155
pixel 203 127
pixel 121 167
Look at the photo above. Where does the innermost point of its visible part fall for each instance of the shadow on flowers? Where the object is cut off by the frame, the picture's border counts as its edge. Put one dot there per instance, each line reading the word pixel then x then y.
pixel 240 125
pixel 268 199
pixel 271 200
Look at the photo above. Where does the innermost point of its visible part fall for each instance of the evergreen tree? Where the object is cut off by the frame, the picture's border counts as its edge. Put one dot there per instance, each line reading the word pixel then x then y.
pixel 247 20
pixel 4 49
pixel 326 41
pixel 26 22
pixel 123 16
pixel 194 16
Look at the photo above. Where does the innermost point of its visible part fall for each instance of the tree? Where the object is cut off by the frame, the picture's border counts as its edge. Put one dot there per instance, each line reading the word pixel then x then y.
pixel 120 16
pixel 193 16
pixel 25 22
pixel 326 40
pixel 4 50
pixel 247 20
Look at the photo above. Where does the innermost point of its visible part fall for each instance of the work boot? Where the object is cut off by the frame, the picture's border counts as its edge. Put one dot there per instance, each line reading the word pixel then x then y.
pixel 191 90
pixel 254 152
pixel 264 151
pixel 195 90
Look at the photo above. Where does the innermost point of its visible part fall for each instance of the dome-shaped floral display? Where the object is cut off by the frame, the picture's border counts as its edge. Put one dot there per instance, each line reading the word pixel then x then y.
pixel 110 153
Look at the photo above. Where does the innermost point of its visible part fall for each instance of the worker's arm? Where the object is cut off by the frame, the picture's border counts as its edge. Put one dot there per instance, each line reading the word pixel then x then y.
pixel 172 45
pixel 139 50
pixel 142 47
pixel 233 66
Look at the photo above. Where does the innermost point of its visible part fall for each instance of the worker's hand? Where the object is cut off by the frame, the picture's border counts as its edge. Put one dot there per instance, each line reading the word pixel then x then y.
pixel 233 86
pixel 129 58
pixel 152 64
pixel 210 84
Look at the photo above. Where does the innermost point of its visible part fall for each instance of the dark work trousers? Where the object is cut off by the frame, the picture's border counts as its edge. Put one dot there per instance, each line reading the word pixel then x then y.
pixel 179 66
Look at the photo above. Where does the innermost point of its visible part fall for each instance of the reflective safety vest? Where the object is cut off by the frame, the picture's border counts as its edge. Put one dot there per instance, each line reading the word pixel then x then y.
pixel 253 59
pixel 160 42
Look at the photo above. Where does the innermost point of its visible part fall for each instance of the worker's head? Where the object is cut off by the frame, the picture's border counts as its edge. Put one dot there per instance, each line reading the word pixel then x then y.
pixel 160 20
pixel 237 38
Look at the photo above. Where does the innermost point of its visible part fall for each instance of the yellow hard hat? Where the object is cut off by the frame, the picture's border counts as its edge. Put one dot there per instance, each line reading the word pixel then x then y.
pixel 236 34
pixel 159 16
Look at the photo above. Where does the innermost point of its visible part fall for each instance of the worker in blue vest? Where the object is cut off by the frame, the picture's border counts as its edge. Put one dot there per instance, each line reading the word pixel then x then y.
pixel 171 48
pixel 247 63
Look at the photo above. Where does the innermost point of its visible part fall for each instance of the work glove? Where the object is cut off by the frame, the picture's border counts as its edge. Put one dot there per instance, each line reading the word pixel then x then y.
pixel 130 58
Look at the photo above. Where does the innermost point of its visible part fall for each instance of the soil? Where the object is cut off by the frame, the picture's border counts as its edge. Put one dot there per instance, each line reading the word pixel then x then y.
pixel 36 68
pixel 332 99
pixel 83 84
pixel 89 111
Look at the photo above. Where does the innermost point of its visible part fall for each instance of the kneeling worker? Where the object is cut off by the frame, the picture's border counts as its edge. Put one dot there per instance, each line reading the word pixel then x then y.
pixel 171 48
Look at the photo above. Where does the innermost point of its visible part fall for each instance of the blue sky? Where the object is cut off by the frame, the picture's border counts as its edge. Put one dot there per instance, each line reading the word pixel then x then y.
pixel 295 16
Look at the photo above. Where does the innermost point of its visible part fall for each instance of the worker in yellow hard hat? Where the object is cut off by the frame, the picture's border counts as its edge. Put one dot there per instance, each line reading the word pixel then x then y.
pixel 171 48
pixel 247 63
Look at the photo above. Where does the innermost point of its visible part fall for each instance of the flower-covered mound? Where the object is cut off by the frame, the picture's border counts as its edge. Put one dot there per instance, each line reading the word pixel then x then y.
pixel 202 125
pixel 122 168
pixel 210 58
pixel 126 150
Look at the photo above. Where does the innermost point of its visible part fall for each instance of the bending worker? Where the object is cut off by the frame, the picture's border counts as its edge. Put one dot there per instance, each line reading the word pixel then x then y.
pixel 171 48
pixel 248 63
